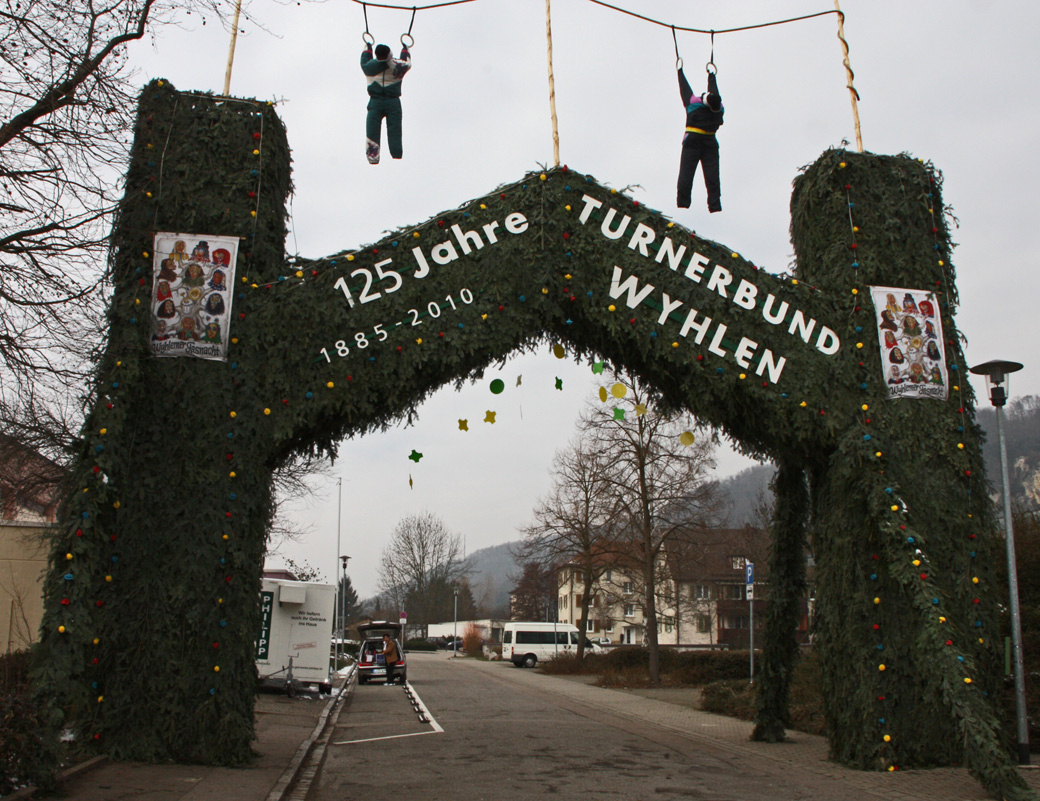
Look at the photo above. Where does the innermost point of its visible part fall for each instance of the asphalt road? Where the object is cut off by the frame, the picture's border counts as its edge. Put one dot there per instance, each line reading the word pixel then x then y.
pixel 500 732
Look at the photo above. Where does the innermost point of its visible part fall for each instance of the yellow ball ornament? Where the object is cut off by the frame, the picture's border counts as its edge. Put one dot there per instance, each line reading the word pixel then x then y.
pixel 887 738
pixel 967 679
pixel 881 668
pixel 61 629
pixel 216 668
pixel 330 385
pixel 542 177
pixel 233 415
pixel 267 411
pixel 974 579
pixel 611 307
pixel 567 207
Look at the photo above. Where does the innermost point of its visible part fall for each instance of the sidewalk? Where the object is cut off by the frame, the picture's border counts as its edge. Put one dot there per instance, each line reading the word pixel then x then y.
pixel 288 728
pixel 285 730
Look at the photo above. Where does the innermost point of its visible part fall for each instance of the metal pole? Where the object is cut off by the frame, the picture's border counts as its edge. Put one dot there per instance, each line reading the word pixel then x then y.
pixel 455 628
pixel 751 635
pixel 339 589
pixel 1016 623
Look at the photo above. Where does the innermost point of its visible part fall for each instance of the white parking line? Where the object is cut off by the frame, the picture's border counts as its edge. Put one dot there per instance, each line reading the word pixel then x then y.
pixel 434 725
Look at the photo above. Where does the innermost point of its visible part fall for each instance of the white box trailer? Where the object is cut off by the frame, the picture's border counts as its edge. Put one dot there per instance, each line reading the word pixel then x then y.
pixel 292 648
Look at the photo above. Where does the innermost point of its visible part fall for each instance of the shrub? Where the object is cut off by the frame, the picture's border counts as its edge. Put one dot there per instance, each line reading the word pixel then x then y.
pixel 473 641
pixel 701 667
pixel 419 644
pixel 567 664
pixel 20 725
pixel 636 656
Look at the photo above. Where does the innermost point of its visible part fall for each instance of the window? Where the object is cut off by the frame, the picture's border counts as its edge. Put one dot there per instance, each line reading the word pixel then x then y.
pixel 608 575
pixel 608 626
pixel 702 591
pixel 590 625
pixel 627 587
pixel 507 638
pixel 703 624
pixel 564 601
pixel 669 623
pixel 735 592
pixel 630 610
pixel 739 562
pixel 735 622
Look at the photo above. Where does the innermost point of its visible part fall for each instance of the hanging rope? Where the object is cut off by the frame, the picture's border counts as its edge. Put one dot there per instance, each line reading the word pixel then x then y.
pixel 853 94
pixel 367 37
pixel 678 58
pixel 409 34
pixel 701 30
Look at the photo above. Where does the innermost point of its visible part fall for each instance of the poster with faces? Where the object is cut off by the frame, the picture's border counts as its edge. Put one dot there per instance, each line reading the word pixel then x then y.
pixel 911 340
pixel 191 294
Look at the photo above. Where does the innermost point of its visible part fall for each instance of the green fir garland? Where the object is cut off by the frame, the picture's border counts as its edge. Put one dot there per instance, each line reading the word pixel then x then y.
pixel 152 597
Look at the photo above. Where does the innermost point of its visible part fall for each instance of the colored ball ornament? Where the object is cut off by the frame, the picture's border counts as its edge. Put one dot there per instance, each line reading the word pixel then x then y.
pixel 686 438
pixel 267 411
pixel 619 390
pixel 881 668
pixel 887 738
pixel 497 386
pixel 330 385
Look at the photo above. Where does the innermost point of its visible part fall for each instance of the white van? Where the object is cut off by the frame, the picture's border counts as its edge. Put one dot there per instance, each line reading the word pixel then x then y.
pixel 525 643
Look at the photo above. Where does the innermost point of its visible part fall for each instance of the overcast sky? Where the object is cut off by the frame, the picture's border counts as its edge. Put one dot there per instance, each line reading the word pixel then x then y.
pixel 944 80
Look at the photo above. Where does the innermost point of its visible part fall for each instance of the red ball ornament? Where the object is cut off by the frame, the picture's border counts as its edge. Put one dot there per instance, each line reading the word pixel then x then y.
pixel 848 186
pixel 853 246
pixel 967 473
pixel 441 335
pixel 876 626
pixel 700 358
pixel 949 642
pixel 350 378
pixel 108 405
pixel 398 348
pixel 227 515
pixel 924 576
pixel 94 661
pixel 216 644
pixel 97 736
pixel 229 457
pixel 503 195
pixel 566 235
pixel 252 194
pixel 632 321
pixel 227 579
pixel 971 536
pixel 79 532
pixel 256 136
pixel 242 315
pixel 99 604
pixel 881 698
pixel 501 308
pixel 65 602
pixel 375 251
pixel 285 401
pixel 856 308
pixel 975 601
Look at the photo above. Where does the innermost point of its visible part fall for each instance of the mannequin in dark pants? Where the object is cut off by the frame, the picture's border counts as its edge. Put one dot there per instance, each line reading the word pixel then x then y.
pixel 385 74
pixel 703 118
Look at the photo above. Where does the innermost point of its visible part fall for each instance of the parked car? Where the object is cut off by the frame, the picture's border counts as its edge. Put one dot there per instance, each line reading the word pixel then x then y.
pixel 371 665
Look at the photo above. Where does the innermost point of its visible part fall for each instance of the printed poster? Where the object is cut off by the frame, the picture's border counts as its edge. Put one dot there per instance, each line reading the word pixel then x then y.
pixel 191 294
pixel 911 339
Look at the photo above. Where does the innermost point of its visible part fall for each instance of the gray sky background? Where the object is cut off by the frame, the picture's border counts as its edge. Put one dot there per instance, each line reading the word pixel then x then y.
pixel 944 80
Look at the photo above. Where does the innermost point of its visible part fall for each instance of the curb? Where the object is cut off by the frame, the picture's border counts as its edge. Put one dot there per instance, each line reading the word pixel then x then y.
pixel 82 767
pixel 291 774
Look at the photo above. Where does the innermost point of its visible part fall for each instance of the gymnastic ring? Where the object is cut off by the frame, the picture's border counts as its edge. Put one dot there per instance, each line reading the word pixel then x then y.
pixel 678 64
pixel 714 70
pixel 368 38
pixel 406 44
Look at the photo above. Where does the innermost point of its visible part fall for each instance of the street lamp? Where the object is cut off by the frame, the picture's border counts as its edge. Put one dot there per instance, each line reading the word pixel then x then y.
pixel 996 373
pixel 455 627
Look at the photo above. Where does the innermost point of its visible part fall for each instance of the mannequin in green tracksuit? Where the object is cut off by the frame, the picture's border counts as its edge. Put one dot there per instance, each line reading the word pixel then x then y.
pixel 384 73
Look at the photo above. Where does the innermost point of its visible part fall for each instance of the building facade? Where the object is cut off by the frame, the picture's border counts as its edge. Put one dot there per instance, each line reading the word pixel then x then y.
pixel 700 592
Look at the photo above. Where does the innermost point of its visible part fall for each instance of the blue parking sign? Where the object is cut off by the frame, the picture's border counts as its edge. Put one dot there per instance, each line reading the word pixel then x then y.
pixel 750 573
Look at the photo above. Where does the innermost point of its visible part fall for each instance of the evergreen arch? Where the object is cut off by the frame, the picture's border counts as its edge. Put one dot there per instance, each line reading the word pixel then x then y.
pixel 152 593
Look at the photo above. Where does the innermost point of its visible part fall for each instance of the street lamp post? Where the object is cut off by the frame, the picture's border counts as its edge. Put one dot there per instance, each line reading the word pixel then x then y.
pixel 455 627
pixel 996 373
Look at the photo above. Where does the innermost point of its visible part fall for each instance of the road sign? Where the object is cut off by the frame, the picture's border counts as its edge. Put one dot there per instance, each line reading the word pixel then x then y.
pixel 751 592
pixel 750 573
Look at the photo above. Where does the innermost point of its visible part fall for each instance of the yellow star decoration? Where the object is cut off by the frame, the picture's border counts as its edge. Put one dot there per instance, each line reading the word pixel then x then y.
pixel 640 409
pixel 463 425
pixel 410 485
pixel 483 317
pixel 489 417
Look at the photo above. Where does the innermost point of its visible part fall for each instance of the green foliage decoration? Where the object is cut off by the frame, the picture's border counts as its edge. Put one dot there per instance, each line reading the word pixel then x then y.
pixel 152 595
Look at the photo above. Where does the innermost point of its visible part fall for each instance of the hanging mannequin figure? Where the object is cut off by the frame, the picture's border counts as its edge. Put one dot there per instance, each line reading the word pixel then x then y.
pixel 703 118
pixel 384 73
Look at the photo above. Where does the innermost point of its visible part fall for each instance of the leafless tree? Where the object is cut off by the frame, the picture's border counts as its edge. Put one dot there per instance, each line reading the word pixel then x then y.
pixel 422 561
pixel 67 102
pixel 659 483
pixel 572 523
